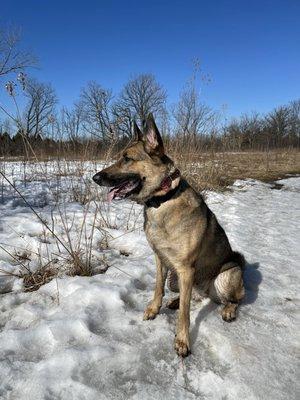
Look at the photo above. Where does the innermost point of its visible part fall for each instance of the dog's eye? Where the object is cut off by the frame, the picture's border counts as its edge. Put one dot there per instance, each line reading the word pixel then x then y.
pixel 126 158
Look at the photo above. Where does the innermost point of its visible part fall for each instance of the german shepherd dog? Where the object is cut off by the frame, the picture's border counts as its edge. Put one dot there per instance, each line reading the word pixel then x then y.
pixel 191 248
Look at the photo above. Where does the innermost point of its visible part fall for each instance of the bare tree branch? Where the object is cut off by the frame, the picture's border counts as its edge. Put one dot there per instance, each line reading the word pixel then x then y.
pixel 192 117
pixel 96 103
pixel 140 96
pixel 12 58
pixel 40 107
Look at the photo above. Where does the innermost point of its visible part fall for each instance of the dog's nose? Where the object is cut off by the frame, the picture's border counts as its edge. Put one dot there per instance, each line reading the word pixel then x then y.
pixel 99 177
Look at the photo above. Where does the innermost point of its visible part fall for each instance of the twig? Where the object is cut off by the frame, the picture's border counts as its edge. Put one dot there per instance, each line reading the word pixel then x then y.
pixel 15 258
pixel 36 214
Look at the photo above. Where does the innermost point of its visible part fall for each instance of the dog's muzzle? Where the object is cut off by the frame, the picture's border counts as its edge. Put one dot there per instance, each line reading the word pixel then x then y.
pixel 122 185
pixel 100 178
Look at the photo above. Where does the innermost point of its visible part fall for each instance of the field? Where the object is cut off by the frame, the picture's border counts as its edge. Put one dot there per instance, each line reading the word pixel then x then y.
pixel 77 274
pixel 217 170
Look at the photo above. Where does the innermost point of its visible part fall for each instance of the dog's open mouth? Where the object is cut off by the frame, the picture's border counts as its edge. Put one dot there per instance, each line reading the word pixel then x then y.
pixel 123 190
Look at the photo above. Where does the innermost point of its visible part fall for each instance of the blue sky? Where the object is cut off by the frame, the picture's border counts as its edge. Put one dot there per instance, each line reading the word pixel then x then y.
pixel 251 49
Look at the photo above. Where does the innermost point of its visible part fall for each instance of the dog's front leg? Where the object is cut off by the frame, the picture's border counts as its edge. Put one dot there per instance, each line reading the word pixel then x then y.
pixel 161 274
pixel 182 341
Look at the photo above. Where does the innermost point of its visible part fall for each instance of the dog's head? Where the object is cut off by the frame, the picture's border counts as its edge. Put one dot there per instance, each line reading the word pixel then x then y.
pixel 142 168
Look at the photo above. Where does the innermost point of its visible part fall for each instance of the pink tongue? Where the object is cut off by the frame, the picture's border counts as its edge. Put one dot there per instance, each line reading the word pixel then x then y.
pixel 111 195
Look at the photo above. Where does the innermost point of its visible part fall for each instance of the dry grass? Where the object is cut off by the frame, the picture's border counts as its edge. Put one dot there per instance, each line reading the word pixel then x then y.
pixel 72 257
pixel 34 280
pixel 205 170
pixel 216 170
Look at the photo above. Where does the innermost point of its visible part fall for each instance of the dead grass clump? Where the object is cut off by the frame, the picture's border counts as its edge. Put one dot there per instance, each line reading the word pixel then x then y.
pixel 77 266
pixel 81 195
pixel 34 280
pixel 103 243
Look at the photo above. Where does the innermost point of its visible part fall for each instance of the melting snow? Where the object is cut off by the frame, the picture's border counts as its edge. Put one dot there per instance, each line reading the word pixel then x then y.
pixel 87 339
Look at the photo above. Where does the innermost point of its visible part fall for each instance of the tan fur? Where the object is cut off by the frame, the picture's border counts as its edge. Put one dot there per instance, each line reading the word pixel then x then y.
pixel 185 237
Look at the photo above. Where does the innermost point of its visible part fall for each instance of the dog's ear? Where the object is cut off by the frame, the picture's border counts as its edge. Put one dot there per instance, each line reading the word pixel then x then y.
pixel 136 132
pixel 152 137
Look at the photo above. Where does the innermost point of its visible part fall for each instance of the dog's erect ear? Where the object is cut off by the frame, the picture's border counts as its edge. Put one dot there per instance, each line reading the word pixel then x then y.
pixel 136 132
pixel 152 136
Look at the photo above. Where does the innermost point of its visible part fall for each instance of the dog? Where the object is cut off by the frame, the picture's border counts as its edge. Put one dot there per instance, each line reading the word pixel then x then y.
pixel 192 251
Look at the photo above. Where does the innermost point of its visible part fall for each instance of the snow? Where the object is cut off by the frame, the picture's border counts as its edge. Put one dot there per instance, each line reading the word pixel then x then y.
pixel 83 337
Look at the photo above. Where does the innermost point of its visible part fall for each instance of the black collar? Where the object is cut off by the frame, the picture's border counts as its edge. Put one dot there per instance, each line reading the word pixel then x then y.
pixel 156 201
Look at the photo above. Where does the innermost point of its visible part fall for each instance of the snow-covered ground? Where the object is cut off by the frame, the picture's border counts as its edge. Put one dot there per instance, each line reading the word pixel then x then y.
pixel 84 337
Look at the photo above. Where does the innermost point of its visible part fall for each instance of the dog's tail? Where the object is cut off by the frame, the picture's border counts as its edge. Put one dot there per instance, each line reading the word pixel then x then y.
pixel 172 280
pixel 235 259
pixel 239 259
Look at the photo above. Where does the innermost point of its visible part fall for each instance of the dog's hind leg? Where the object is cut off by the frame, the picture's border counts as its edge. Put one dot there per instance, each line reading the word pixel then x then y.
pixel 161 274
pixel 228 289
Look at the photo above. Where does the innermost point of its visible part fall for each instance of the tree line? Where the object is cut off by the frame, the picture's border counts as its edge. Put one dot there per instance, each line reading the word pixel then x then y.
pixel 100 118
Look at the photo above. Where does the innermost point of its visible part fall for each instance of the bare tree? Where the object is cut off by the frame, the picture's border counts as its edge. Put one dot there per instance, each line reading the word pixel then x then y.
pixel 71 121
pixel 277 125
pixel 193 118
pixel 140 96
pixel 122 119
pixel 279 128
pixel 12 58
pixel 6 126
pixel 96 103
pixel 233 135
pixel 40 107
pixel 294 132
pixel 251 126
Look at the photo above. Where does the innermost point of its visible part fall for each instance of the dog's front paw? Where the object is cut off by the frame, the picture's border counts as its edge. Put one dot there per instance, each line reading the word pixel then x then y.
pixel 151 312
pixel 182 347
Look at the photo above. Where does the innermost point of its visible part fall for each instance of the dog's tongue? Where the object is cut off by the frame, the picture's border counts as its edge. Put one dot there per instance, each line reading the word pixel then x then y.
pixel 111 194
pixel 121 190
pixel 115 190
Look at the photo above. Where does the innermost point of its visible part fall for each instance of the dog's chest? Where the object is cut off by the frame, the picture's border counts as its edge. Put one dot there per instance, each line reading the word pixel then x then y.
pixel 157 229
